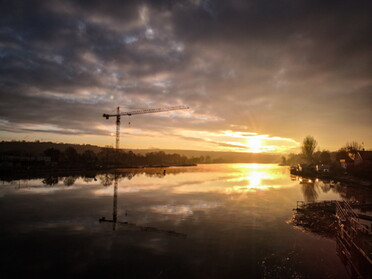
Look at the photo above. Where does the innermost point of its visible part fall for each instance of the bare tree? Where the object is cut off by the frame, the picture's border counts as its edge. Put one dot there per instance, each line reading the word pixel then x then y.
pixel 352 147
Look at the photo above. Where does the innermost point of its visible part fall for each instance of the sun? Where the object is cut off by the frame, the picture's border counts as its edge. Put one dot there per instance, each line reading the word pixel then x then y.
pixel 255 145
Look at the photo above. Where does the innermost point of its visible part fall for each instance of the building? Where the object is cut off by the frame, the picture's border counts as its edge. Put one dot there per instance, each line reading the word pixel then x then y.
pixel 363 158
pixel 347 163
pixel 323 168
pixel 363 164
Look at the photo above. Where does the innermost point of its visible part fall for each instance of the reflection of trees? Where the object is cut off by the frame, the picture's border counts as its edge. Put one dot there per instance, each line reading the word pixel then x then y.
pixel 87 179
pixel 106 179
pixel 69 180
pixel 88 175
pixel 325 187
pixel 127 175
pixel 360 194
pixel 50 180
pixel 309 191
pixel 159 175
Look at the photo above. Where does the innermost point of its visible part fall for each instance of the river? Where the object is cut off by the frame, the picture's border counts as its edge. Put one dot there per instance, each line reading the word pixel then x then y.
pixel 208 221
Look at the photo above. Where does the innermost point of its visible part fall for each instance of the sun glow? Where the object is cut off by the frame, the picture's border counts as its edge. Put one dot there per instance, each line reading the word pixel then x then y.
pixel 255 145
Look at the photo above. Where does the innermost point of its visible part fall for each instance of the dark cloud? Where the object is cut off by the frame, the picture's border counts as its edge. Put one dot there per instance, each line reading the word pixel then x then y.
pixel 272 66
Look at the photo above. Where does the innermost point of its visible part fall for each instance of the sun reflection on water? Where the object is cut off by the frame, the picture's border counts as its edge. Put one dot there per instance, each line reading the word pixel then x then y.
pixel 256 177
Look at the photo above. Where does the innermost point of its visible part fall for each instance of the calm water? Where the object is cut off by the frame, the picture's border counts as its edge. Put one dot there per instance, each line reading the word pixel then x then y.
pixel 226 221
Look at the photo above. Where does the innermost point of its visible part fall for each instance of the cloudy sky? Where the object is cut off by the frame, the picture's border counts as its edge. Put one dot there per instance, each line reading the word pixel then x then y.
pixel 258 75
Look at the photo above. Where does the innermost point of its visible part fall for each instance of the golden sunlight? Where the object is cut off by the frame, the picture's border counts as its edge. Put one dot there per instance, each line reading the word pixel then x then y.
pixel 254 144
pixel 255 177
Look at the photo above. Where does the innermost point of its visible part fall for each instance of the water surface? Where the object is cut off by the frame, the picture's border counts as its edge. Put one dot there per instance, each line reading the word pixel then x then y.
pixel 209 221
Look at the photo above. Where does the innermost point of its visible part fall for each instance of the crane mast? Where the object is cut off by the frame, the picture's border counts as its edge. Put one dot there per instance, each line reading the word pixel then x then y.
pixel 118 114
pixel 117 140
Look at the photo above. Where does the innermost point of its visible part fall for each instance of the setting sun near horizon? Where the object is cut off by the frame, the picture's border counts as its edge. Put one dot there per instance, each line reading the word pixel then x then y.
pixel 254 145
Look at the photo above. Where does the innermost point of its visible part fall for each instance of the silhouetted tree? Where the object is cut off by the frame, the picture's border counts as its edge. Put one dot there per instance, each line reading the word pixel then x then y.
pixel 325 157
pixel 284 160
pixel 352 147
pixel 207 159
pixel 107 156
pixel 294 159
pixel 308 146
pixel 71 156
pixel 53 154
pixel 89 158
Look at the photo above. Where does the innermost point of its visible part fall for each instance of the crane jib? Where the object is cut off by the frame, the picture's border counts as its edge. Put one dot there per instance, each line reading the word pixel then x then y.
pixel 129 113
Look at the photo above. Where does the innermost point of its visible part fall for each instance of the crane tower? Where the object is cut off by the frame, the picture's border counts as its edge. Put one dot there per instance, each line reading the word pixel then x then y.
pixel 118 114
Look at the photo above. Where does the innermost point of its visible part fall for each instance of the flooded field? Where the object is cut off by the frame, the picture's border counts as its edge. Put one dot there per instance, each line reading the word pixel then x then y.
pixel 209 221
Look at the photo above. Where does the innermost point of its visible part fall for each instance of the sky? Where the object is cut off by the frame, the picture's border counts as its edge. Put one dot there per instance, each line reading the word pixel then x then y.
pixel 258 76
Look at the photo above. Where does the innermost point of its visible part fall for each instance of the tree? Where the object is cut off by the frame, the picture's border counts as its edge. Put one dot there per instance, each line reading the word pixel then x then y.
pixel 325 157
pixel 308 146
pixel 352 147
pixel 53 154
pixel 294 159
pixel 71 156
pixel 284 160
pixel 89 158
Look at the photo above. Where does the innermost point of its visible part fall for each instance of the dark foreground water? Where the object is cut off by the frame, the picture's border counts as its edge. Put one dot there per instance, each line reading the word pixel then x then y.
pixel 210 221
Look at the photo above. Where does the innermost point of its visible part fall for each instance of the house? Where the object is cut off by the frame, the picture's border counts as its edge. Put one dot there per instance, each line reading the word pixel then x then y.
pixel 323 168
pixel 362 164
pixel 363 158
pixel 306 168
pixel 346 163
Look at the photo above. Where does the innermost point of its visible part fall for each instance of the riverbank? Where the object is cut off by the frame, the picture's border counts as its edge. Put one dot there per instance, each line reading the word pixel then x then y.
pixel 344 178
pixel 35 173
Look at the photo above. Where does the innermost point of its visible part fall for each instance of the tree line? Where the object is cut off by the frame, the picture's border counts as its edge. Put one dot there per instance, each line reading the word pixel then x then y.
pixel 106 157
pixel 311 154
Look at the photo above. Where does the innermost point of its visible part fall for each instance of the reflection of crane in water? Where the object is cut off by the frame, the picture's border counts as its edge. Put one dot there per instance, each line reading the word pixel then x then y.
pixel 115 221
pixel 118 114
pixel 115 206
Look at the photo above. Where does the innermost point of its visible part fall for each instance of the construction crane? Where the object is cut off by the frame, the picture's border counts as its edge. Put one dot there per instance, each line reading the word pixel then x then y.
pixel 118 114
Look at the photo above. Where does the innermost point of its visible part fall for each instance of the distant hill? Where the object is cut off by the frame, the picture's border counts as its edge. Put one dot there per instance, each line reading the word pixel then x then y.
pixel 37 148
